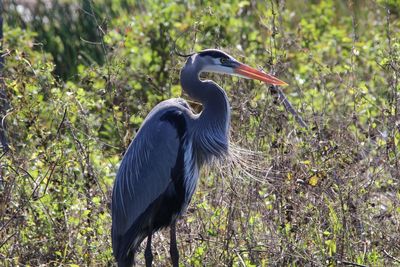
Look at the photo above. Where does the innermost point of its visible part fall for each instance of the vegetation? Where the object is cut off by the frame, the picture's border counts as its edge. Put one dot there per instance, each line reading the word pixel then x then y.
pixel 82 75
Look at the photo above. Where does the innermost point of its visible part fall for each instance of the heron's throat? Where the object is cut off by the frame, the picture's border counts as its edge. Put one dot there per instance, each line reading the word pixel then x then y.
pixel 211 139
pixel 211 131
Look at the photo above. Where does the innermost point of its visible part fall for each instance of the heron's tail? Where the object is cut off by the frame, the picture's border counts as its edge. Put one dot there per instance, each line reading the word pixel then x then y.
pixel 127 261
pixel 125 246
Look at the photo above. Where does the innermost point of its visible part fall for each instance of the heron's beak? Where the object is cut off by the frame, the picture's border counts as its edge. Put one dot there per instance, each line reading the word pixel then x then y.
pixel 251 73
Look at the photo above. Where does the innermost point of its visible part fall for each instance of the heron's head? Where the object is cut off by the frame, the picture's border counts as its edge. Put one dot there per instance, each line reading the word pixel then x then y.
pixel 213 60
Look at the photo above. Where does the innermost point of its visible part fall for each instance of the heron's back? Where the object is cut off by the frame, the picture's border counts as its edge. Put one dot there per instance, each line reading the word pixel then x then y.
pixel 150 189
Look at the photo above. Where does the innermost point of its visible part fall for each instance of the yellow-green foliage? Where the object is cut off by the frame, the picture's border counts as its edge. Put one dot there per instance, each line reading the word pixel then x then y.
pixel 81 76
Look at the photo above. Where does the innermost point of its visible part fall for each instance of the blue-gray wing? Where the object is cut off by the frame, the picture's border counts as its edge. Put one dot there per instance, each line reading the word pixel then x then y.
pixel 144 174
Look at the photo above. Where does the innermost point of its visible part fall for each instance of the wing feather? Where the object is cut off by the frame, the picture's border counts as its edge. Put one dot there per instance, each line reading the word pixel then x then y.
pixel 144 173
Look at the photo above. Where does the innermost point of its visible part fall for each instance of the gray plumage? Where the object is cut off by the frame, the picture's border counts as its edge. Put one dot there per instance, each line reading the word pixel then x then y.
pixel 160 169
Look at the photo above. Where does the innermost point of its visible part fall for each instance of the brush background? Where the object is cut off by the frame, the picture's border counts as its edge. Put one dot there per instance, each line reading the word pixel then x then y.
pixel 80 76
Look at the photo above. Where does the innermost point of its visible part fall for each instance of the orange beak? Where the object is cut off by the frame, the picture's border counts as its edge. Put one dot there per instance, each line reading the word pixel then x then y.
pixel 252 73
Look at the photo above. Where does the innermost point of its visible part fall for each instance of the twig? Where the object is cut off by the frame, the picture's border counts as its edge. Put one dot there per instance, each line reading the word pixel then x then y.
pixel 240 258
pixel 8 238
pixel 50 176
pixel 3 139
pixel 4 103
pixel 175 50
pixel 288 106
pixel 352 264
pixel 390 256
pixel 62 122
pixel 100 31
pixel 4 153
pixel 24 202
pixel 90 42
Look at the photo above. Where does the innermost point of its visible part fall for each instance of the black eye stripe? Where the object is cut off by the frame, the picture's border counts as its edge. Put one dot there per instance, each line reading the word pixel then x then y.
pixel 213 53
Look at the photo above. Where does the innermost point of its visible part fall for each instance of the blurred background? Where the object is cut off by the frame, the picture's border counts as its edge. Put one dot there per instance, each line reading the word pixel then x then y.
pixel 79 77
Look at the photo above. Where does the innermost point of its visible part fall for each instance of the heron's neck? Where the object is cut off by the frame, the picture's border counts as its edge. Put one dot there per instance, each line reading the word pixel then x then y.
pixel 212 126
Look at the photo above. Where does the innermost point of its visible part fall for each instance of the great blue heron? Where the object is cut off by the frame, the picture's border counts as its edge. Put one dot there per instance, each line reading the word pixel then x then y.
pixel 159 172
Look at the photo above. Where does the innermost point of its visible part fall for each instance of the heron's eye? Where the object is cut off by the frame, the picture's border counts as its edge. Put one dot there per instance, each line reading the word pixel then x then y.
pixel 223 60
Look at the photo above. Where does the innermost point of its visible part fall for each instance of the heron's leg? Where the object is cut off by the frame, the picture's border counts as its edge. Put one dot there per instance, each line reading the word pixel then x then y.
pixel 148 255
pixel 173 249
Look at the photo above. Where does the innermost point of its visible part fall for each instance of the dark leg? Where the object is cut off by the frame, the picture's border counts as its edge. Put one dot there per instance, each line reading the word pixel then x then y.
pixel 147 253
pixel 173 249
